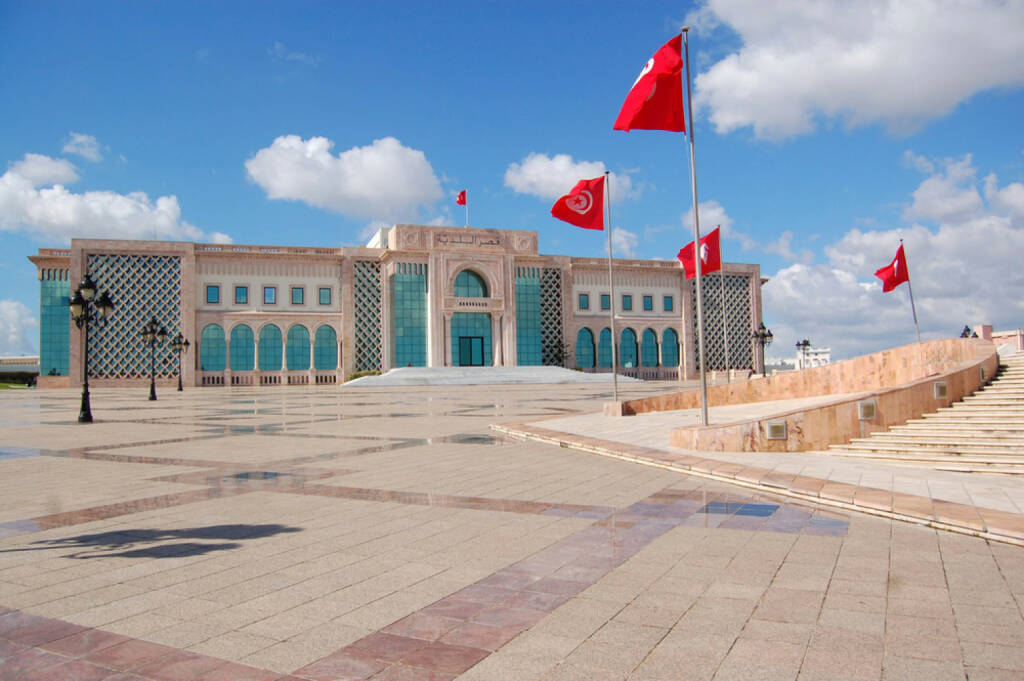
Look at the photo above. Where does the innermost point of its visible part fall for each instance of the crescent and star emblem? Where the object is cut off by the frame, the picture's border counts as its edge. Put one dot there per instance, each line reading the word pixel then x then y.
pixel 580 203
pixel 704 253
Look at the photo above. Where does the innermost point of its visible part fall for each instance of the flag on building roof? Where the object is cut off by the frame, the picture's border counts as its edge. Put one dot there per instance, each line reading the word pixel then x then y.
pixel 655 101
pixel 461 198
pixel 583 206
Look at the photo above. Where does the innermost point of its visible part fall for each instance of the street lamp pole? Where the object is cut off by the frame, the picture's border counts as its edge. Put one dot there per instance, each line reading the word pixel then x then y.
pixel 764 337
pixel 802 347
pixel 179 344
pixel 85 309
pixel 153 333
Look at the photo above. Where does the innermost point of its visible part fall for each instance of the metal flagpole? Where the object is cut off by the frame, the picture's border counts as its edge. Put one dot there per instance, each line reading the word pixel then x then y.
pixel 467 210
pixel 611 289
pixel 911 290
pixel 696 240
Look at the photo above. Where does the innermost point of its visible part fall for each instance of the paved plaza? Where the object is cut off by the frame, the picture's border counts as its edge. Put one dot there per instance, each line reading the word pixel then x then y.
pixel 391 533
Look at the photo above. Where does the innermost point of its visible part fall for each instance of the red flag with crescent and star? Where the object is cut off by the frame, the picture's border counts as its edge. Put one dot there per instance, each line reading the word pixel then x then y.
pixel 461 198
pixel 895 273
pixel 583 206
pixel 710 255
pixel 655 102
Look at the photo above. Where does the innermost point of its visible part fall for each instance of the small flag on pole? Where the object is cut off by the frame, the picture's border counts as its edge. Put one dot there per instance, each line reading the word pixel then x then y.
pixel 461 198
pixel 710 255
pixel 895 273
pixel 655 102
pixel 583 206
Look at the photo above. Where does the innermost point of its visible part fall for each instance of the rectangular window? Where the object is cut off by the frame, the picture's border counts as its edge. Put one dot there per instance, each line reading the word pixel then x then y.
pixel 648 303
pixel 241 295
pixel 627 302
pixel 667 303
pixel 606 301
pixel 325 296
pixel 270 295
pixel 584 301
pixel 298 295
pixel 213 294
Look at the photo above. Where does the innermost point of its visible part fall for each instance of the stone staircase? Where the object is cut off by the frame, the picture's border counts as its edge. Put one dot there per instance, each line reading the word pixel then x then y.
pixel 982 433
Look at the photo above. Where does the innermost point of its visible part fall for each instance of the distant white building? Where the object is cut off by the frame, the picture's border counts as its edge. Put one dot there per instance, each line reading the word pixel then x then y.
pixel 813 357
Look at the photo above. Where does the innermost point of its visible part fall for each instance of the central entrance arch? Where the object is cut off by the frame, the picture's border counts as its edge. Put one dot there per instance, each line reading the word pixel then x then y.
pixel 471 331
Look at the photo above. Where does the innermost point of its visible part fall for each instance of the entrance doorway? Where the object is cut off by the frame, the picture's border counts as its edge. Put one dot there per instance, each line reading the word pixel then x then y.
pixel 471 351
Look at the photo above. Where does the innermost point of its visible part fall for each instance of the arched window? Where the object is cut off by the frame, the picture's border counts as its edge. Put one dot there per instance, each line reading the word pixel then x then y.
pixel 585 349
pixel 325 349
pixel 212 349
pixel 270 348
pixel 469 284
pixel 297 353
pixel 670 348
pixel 243 349
pixel 604 349
pixel 627 348
pixel 649 349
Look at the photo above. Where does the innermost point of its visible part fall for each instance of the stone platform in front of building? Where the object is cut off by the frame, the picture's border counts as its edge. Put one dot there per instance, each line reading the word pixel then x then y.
pixel 483 376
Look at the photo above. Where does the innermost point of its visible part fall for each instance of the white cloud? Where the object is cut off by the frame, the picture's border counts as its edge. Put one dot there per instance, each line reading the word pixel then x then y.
pixel 783 247
pixel 549 177
pixel 82 145
pixel 280 52
pixel 18 328
pixel 624 243
pixel 898 62
pixel 964 268
pixel 383 181
pixel 713 214
pixel 33 199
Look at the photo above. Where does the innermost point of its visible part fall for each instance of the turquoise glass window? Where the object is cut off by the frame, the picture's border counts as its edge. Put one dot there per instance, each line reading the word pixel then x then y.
pixel 325 296
pixel 213 351
pixel 668 303
pixel 213 294
pixel 669 348
pixel 469 284
pixel 471 339
pixel 649 348
pixel 648 303
pixel 528 330
pixel 585 349
pixel 54 323
pixel 606 303
pixel 270 295
pixel 242 295
pixel 298 295
pixel 604 349
pixel 297 351
pixel 627 302
pixel 585 301
pixel 325 349
pixel 242 349
pixel 270 348
pixel 627 348
pixel 409 318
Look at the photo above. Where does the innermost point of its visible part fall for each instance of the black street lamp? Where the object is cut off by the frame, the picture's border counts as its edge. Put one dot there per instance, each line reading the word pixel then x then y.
pixel 153 334
pixel 801 348
pixel 764 337
pixel 179 344
pixel 85 309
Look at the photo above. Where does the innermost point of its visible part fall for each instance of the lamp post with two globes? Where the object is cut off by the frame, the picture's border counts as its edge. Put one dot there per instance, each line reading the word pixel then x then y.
pixel 764 337
pixel 86 308
pixel 179 344
pixel 153 333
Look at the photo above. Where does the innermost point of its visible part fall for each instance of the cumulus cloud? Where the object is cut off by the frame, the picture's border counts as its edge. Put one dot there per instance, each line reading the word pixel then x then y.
pixel 624 243
pixel 897 62
pixel 964 259
pixel 18 328
pixel 33 199
pixel 383 181
pixel 783 247
pixel 549 177
pixel 82 145
pixel 713 214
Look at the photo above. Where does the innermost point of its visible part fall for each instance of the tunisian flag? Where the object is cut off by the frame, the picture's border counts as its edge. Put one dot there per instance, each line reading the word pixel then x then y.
pixel 583 206
pixel 656 100
pixel 461 198
pixel 895 273
pixel 710 255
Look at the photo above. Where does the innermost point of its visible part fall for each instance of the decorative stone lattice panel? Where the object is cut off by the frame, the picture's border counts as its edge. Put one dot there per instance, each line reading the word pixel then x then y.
pixel 552 352
pixel 737 320
pixel 368 316
pixel 141 286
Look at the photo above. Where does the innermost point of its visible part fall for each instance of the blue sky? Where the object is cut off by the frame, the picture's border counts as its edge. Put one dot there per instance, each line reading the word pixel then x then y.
pixel 825 131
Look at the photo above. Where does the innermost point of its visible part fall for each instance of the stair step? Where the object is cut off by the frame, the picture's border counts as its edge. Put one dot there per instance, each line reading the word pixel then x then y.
pixel 952 443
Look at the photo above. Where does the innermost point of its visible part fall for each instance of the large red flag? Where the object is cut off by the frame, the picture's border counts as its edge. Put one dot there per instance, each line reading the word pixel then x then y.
pixel 656 100
pixel 895 273
pixel 461 198
pixel 583 206
pixel 710 255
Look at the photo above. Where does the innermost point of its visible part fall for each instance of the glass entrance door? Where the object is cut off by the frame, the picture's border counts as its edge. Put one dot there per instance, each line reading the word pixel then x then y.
pixel 471 351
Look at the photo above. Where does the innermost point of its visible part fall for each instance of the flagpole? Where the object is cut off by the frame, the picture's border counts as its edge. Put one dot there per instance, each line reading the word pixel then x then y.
pixel 906 263
pixel 696 239
pixel 467 211
pixel 611 289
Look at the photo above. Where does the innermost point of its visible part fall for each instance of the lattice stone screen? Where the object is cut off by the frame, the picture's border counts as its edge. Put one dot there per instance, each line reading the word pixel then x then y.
pixel 737 318
pixel 368 316
pixel 141 286
pixel 551 317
